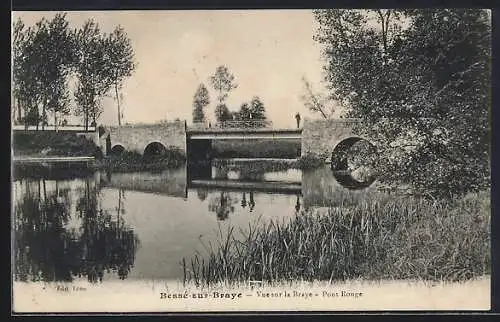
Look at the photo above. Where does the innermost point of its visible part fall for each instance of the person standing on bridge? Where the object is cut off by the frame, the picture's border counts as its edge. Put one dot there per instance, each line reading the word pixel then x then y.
pixel 297 118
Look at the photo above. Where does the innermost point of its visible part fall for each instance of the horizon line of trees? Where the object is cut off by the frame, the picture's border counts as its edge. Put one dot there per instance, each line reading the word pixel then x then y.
pixel 49 57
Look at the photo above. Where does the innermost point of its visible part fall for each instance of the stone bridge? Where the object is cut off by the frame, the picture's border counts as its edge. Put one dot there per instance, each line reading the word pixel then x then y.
pixel 143 138
pixel 318 137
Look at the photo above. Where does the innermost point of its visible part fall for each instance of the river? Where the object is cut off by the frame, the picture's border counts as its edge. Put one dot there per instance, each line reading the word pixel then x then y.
pixel 140 226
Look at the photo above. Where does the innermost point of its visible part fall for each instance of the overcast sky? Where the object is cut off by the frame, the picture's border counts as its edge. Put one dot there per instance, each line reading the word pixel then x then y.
pixel 268 51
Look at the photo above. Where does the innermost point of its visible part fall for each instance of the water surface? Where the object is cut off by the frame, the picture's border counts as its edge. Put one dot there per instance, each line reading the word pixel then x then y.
pixel 106 226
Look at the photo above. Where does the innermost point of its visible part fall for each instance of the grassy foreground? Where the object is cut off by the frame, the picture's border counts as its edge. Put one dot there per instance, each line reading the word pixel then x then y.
pixel 379 238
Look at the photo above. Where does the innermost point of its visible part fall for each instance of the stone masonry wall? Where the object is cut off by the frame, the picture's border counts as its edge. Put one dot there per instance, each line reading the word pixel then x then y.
pixel 136 137
pixel 320 136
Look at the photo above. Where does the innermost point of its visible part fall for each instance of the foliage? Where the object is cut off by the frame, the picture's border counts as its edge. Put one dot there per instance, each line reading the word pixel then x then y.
pixel 223 82
pixel 244 112
pixel 222 113
pixel 316 102
pixel 130 161
pixel 42 61
pixel 377 238
pixel 120 62
pixel 419 81
pixel 310 161
pixel 201 99
pixel 48 55
pixel 93 70
pixel 53 143
pixel 257 109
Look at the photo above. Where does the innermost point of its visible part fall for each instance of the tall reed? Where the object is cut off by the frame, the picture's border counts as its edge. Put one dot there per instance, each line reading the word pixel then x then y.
pixel 377 238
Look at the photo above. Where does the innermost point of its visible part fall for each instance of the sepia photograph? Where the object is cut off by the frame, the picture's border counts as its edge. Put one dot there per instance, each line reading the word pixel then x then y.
pixel 251 160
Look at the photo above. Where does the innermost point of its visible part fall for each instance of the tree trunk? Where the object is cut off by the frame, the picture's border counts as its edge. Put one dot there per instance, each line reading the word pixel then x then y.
pixel 86 121
pixel 44 191
pixel 118 103
pixel 25 108
pixel 37 116
pixel 55 120
pixel 19 116
pixel 44 113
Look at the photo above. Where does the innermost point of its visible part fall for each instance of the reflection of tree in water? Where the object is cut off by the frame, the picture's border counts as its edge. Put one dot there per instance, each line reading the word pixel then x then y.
pixel 251 202
pixel 243 200
pixel 297 204
pixel 222 205
pixel 202 194
pixel 46 249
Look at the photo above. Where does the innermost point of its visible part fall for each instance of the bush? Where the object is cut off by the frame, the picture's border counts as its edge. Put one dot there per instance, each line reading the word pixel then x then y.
pixel 311 161
pixel 53 143
pixel 127 161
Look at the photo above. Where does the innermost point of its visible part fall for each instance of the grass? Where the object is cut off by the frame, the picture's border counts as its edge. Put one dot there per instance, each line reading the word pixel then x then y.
pixel 376 239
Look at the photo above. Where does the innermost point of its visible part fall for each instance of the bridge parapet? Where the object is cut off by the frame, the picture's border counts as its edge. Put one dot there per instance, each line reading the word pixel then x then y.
pixel 227 125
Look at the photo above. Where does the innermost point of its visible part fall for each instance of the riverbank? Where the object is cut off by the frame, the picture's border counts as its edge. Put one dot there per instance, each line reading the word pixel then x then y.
pixel 51 144
pixel 153 296
pixel 381 237
pixel 133 161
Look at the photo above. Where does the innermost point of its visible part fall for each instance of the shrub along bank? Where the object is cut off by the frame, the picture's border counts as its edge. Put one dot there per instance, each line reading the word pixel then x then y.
pixel 45 143
pixel 129 161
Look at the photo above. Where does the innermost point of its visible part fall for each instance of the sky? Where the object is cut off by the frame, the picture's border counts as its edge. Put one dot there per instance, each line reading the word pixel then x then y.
pixel 268 52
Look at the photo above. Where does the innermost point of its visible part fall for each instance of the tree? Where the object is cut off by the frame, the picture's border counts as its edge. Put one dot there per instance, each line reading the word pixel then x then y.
pixel 25 86
pixel 201 99
pixel 419 82
pixel 94 69
pixel 316 102
pixel 59 60
pixel 223 82
pixel 19 74
pixel 257 110
pixel 244 112
pixel 120 55
pixel 42 57
pixel 222 113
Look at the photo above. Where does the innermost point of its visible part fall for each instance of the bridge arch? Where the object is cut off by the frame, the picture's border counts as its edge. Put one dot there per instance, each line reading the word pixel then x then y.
pixel 117 149
pixel 154 148
pixel 340 166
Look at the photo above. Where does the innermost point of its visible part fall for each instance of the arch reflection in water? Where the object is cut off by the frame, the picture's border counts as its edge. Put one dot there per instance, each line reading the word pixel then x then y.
pixel 350 163
pixel 346 180
pixel 55 240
